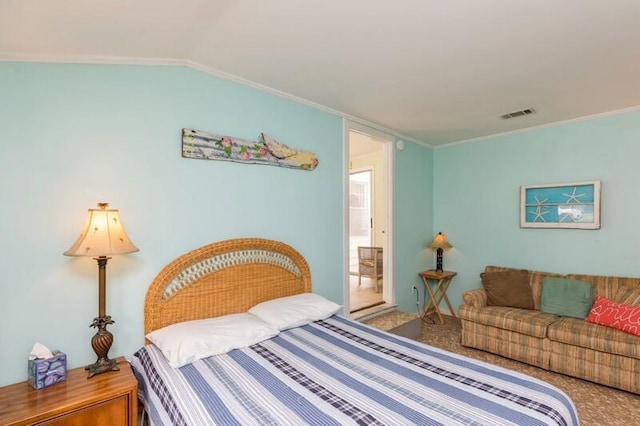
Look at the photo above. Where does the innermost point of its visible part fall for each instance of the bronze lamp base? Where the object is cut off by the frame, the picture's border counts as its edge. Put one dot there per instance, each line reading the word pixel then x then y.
pixel 101 343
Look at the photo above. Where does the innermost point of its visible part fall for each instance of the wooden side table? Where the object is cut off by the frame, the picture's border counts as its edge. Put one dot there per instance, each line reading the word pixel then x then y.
pixel 104 400
pixel 436 285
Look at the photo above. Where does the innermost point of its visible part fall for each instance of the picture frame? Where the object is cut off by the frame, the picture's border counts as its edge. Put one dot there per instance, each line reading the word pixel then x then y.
pixel 573 205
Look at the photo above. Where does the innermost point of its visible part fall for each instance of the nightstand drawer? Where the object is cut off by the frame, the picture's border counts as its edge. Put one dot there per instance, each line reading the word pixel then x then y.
pixel 107 413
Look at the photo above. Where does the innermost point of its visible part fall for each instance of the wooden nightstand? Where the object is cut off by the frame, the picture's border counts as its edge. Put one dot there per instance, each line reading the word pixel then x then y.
pixel 436 284
pixel 104 400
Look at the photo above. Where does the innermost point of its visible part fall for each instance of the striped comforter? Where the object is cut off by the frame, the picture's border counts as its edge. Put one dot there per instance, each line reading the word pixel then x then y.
pixel 339 372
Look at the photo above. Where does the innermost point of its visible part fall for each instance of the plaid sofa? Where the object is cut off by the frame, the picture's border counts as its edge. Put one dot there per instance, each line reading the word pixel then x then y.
pixel 565 345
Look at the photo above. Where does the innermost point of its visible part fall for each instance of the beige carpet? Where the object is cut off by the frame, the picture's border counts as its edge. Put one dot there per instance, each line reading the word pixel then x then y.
pixel 596 404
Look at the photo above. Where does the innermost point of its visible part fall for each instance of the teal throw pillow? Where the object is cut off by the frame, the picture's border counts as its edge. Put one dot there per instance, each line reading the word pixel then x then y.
pixel 566 297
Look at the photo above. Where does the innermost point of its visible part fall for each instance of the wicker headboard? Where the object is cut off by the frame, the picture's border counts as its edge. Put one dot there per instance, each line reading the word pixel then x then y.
pixel 224 278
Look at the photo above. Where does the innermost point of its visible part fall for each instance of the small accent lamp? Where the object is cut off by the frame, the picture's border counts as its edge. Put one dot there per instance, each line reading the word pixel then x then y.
pixel 440 243
pixel 103 235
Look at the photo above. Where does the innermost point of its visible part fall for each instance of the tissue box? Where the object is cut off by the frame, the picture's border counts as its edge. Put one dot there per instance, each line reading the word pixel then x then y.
pixel 45 372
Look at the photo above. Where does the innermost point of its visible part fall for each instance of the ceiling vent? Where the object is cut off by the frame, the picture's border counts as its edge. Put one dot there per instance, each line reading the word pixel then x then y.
pixel 520 113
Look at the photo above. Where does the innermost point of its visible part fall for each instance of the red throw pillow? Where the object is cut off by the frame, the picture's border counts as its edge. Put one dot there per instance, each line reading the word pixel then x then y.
pixel 616 315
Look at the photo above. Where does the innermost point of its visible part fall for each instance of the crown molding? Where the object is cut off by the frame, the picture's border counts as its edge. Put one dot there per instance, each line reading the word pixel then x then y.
pixel 92 60
pixel 543 126
pixel 297 99
pixel 128 60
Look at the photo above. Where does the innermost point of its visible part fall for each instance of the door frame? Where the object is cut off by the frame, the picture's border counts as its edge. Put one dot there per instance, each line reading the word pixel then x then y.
pixel 388 289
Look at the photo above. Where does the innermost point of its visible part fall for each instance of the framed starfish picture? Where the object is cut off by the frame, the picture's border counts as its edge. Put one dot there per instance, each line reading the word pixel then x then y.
pixel 566 205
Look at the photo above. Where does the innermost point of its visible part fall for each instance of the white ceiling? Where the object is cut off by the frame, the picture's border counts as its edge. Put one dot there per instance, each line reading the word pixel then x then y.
pixel 437 71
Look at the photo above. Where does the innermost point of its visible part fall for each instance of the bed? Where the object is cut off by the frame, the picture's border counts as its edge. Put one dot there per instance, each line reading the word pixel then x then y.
pixel 329 371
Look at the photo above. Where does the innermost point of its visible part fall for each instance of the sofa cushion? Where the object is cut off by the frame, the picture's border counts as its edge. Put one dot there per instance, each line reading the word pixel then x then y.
pixel 577 332
pixel 620 316
pixel 508 288
pixel 628 295
pixel 566 297
pixel 525 321
pixel 606 286
pixel 535 280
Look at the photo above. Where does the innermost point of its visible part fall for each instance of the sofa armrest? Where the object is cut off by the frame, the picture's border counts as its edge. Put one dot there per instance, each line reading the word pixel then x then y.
pixel 476 298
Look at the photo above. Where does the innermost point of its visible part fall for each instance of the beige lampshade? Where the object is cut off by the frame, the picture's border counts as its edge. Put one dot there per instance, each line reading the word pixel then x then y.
pixel 102 235
pixel 440 241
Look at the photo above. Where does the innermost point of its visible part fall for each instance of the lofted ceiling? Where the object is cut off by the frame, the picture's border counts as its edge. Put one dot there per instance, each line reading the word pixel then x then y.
pixel 435 71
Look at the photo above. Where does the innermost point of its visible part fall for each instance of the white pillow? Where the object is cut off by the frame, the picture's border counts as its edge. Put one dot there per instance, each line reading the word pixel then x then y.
pixel 294 311
pixel 185 342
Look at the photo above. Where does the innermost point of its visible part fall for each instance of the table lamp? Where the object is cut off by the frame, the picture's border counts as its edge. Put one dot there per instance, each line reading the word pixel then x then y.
pixel 439 243
pixel 102 236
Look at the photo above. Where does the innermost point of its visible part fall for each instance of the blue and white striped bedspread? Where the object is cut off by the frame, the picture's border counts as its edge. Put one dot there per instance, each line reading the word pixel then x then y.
pixel 339 372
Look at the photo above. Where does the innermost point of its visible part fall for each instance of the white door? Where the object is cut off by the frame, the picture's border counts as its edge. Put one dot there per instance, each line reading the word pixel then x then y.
pixel 360 215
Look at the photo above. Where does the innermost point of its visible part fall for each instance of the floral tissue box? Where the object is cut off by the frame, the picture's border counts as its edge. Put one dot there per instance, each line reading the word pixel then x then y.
pixel 45 372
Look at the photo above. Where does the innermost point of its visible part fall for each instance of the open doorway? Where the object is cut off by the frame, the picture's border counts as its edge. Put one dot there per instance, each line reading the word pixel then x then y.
pixel 360 214
pixel 368 206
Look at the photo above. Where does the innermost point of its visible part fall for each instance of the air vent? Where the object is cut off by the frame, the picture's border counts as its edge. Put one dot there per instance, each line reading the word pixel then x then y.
pixel 520 113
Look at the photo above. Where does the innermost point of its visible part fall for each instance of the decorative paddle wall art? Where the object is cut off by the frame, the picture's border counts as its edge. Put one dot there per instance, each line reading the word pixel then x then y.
pixel 566 205
pixel 211 146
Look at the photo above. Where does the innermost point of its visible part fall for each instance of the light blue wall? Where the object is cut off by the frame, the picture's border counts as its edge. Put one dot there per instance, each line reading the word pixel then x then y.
pixel 476 199
pixel 74 135
pixel 413 222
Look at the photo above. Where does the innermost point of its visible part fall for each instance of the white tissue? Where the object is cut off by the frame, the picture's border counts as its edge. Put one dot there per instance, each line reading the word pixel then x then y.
pixel 40 351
